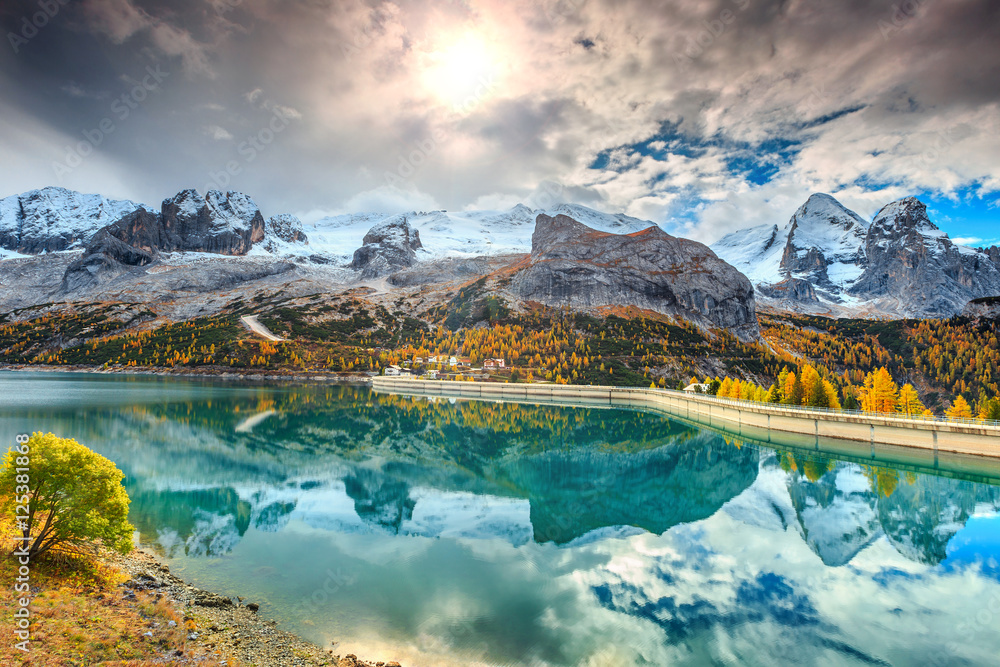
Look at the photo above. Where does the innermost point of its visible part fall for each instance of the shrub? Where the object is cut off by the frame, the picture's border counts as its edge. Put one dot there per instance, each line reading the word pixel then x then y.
pixel 75 497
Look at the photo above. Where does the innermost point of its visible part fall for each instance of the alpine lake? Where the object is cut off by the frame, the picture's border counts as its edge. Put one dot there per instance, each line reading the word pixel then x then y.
pixel 442 532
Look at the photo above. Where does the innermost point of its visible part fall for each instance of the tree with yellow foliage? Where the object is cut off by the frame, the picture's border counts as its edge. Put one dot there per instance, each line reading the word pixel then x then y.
pixel 990 409
pixel 726 388
pixel 880 393
pixel 959 409
pixel 909 401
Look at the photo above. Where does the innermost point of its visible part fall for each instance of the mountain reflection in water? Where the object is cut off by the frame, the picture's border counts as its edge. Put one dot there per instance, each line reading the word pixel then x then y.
pixel 557 535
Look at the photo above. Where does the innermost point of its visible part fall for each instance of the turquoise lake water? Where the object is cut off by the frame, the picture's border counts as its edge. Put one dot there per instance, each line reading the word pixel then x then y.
pixel 436 532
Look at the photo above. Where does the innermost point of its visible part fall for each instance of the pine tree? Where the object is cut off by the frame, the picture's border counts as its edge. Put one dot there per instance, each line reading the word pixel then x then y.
pixel 959 409
pixel 817 396
pixel 797 394
pixel 990 409
pixel 832 401
pixel 726 388
pixel 909 401
pixel 880 393
pixel 781 384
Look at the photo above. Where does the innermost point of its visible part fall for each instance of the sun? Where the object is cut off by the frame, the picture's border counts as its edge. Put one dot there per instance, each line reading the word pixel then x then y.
pixel 462 74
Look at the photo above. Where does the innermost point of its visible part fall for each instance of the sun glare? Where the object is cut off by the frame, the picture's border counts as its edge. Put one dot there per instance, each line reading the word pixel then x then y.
pixel 462 74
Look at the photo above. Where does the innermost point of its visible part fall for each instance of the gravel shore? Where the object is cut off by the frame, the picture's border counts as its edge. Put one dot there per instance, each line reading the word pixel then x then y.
pixel 228 626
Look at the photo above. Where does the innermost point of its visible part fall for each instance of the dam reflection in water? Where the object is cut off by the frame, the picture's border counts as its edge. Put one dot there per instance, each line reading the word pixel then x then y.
pixel 433 531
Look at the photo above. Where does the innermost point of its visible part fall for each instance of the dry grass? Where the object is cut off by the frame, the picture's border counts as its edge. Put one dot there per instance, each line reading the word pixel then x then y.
pixel 81 615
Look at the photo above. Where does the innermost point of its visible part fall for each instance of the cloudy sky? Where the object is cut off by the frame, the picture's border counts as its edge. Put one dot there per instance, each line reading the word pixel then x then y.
pixel 702 115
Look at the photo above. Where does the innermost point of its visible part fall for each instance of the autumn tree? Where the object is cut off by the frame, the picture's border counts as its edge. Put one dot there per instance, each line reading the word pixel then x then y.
pixel 883 480
pixel 814 469
pixel 959 409
pixel 880 393
pixel 909 401
pixel 74 495
pixel 990 409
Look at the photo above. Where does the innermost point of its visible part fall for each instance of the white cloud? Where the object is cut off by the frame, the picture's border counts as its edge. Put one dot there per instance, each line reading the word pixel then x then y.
pixel 218 133
pixel 357 76
pixel 390 199
pixel 120 20
pixel 494 202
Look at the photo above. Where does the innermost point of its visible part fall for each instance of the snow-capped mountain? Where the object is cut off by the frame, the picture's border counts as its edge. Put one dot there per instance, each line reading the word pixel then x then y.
pixel 913 263
pixel 283 235
pixel 838 513
pixel 756 252
pixel 462 233
pixel 824 244
pixel 828 259
pixel 53 219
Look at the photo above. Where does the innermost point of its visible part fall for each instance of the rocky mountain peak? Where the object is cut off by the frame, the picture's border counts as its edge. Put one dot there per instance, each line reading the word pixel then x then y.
pixel 823 209
pixel 832 260
pixel 575 265
pixel 553 232
pixel 993 253
pixel 823 235
pixel 53 219
pixel 395 230
pixel 388 247
pixel 904 214
pixel 282 231
pixel 187 201
pixel 913 262
pixel 224 223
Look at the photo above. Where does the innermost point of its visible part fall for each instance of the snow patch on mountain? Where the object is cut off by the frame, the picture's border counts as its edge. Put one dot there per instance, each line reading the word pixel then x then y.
pixel 825 237
pixel 460 234
pixel 755 252
pixel 283 235
pixel 829 260
pixel 53 219
pixel 766 503
pixel 232 209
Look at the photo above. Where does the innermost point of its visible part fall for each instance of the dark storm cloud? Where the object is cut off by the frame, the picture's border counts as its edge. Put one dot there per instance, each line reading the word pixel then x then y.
pixel 367 91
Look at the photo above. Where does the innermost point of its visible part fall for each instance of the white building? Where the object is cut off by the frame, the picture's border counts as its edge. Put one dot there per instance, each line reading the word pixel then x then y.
pixel 697 388
pixel 493 363
pixel 392 371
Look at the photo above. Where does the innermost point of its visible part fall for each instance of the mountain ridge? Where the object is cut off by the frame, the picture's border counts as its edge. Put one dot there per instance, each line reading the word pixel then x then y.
pixel 825 260
pixel 901 264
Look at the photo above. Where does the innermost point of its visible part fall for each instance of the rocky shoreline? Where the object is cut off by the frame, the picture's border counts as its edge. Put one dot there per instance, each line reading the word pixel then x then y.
pixel 220 624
